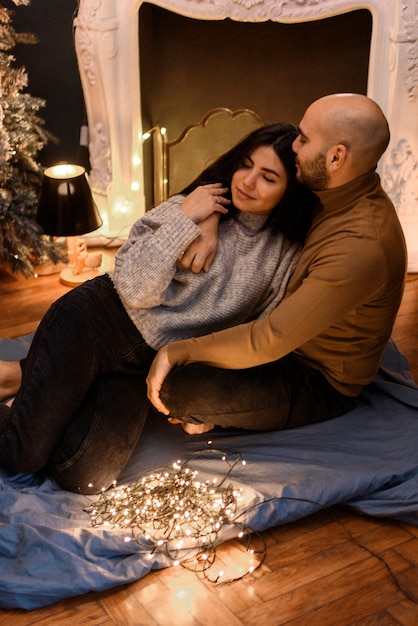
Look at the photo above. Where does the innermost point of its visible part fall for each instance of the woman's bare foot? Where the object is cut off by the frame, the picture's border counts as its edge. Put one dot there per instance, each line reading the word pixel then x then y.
pixel 10 378
pixel 192 429
pixel 197 429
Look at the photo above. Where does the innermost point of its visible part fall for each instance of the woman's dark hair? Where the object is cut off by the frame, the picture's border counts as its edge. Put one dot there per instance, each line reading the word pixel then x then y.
pixel 293 213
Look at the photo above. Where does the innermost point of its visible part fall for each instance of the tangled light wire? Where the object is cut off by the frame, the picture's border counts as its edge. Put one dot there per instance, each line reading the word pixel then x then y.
pixel 170 511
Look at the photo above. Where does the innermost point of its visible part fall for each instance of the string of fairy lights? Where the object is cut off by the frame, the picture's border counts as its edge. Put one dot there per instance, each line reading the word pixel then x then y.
pixel 171 511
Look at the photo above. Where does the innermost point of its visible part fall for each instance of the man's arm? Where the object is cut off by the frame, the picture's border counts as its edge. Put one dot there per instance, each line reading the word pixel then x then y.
pixel 158 372
pixel 321 299
pixel 201 252
pixel 197 257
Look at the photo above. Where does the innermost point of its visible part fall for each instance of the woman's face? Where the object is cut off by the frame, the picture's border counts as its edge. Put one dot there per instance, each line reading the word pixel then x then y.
pixel 260 182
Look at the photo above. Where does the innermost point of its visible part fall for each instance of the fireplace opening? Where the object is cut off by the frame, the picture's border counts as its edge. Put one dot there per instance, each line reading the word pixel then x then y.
pixel 189 66
pixel 186 60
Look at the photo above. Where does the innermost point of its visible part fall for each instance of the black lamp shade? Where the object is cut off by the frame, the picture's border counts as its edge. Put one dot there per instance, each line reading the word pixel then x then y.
pixel 66 206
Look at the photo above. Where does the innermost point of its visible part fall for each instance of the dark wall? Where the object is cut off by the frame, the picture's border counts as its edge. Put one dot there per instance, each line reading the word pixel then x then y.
pixel 189 66
pixel 53 74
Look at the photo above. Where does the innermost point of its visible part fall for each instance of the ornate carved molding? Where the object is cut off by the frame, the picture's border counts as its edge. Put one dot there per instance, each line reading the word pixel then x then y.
pixel 409 17
pixel 100 159
pixel 256 10
pixel 86 57
pixel 88 12
pixel 401 178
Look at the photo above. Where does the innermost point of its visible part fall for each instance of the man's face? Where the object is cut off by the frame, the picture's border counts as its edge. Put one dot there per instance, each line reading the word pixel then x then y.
pixel 311 155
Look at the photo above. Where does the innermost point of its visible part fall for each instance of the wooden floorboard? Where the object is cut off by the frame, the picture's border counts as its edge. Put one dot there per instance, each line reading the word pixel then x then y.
pixel 333 568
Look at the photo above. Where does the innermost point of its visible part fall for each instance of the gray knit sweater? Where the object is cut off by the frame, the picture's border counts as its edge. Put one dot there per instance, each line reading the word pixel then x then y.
pixel 166 302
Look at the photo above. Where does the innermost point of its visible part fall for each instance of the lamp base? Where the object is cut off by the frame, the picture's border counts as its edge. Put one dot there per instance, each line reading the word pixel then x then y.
pixel 83 265
pixel 72 280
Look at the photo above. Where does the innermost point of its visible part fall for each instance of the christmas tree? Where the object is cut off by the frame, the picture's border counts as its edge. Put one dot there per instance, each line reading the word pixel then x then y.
pixel 22 136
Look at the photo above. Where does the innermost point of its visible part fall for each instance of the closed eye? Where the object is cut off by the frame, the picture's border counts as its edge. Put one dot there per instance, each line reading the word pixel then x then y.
pixel 269 178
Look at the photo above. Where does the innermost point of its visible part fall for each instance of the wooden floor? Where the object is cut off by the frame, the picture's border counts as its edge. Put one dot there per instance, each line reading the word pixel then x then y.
pixel 334 568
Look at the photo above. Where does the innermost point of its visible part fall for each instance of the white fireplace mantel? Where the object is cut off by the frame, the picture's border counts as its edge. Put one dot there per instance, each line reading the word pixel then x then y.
pixel 106 33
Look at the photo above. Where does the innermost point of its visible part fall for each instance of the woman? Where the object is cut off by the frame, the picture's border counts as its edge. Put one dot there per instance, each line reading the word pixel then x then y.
pixel 82 400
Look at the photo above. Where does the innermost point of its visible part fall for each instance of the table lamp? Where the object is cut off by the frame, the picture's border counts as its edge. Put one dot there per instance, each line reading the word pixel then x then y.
pixel 66 209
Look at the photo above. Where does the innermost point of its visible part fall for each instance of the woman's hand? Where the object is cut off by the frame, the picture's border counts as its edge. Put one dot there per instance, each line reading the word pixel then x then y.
pixel 204 201
pixel 159 370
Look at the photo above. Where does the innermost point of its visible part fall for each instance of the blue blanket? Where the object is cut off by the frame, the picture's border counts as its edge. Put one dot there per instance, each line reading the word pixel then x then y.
pixel 366 460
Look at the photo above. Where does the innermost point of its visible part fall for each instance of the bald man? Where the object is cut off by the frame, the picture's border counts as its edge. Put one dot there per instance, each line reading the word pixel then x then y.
pixel 308 360
pixel 341 137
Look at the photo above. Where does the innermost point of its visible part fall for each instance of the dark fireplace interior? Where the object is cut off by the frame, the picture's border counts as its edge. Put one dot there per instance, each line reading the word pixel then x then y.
pixel 189 66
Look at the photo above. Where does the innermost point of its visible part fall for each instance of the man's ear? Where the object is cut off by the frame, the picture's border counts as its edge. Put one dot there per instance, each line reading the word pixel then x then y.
pixel 336 156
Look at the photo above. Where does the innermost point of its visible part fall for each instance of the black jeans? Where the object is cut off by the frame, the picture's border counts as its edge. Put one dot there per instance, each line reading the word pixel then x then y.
pixel 284 394
pixel 82 403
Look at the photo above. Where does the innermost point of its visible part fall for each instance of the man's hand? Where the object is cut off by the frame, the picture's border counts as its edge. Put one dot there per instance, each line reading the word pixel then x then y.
pixel 159 370
pixel 201 252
